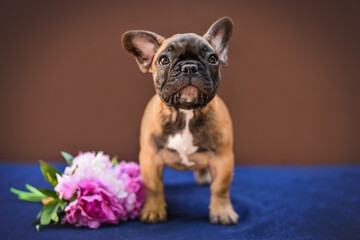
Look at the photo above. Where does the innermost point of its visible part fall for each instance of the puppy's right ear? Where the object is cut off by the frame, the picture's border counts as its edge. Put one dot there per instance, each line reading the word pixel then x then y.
pixel 142 45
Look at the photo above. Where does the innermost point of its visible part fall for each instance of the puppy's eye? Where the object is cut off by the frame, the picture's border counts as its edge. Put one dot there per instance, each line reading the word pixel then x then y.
pixel 212 59
pixel 164 60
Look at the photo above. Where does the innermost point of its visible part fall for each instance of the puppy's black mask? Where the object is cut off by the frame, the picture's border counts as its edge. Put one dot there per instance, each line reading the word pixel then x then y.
pixel 185 67
pixel 187 72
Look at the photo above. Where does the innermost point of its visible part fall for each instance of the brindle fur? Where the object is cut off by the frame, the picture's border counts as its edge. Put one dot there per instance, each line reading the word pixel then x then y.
pixel 202 126
pixel 206 134
pixel 170 125
pixel 210 126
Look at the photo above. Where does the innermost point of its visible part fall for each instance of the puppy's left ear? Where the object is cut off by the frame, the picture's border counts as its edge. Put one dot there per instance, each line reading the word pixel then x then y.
pixel 218 36
pixel 142 45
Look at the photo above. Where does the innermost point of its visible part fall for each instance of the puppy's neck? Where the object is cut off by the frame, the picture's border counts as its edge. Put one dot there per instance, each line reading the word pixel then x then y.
pixel 172 109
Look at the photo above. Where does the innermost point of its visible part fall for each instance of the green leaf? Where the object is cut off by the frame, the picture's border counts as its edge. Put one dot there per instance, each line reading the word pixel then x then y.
pixel 55 214
pixel 114 160
pixel 45 216
pixel 68 157
pixel 28 196
pixel 48 192
pixel 49 173
pixel 33 189
pixel 50 211
pixel 47 212
pixel 62 205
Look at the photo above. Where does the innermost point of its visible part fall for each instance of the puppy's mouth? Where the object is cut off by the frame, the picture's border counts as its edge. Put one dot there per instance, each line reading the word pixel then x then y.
pixel 189 94
pixel 190 97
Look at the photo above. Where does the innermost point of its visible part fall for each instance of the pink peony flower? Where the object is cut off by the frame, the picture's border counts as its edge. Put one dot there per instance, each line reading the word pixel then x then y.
pixel 94 205
pixel 129 174
pixel 131 168
pixel 104 193
pixel 89 165
pixel 66 186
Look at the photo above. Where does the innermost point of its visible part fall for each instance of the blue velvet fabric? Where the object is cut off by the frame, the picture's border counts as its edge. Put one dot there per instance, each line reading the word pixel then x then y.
pixel 273 203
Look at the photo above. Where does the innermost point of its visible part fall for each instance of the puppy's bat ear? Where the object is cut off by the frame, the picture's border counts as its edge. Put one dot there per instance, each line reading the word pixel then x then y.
pixel 218 36
pixel 143 46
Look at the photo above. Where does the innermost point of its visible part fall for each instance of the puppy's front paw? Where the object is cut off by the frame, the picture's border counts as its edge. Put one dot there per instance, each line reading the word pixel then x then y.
pixel 153 214
pixel 223 215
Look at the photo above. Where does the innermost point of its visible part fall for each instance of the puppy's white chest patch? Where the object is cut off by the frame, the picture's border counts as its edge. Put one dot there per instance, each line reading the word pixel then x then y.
pixel 183 142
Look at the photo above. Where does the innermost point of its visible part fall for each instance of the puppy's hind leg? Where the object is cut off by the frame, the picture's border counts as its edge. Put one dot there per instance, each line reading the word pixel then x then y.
pixel 203 176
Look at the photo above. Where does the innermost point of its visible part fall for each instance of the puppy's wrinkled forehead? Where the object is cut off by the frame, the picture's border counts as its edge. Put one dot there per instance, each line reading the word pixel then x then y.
pixel 185 45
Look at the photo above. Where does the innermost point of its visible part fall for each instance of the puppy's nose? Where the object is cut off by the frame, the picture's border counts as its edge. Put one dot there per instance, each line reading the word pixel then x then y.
pixel 189 68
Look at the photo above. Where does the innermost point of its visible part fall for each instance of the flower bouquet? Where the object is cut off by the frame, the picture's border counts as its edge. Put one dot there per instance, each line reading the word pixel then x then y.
pixel 93 189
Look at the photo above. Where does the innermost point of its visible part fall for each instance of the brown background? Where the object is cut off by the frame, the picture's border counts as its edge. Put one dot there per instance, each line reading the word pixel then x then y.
pixel 292 84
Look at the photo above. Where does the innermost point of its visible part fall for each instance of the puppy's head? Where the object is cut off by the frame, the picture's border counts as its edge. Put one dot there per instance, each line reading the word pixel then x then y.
pixel 185 67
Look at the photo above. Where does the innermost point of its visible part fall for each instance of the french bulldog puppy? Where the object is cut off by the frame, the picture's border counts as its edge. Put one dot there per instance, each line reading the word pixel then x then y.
pixel 185 126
